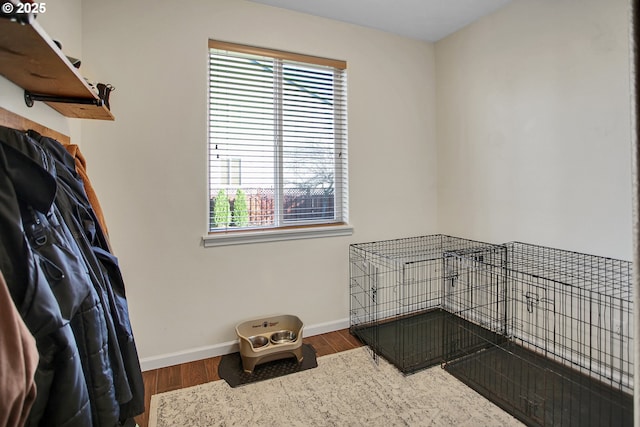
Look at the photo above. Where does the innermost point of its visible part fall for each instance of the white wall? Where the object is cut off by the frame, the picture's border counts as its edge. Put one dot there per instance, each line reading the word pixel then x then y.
pixel 533 113
pixel 62 21
pixel 149 166
pixel 533 144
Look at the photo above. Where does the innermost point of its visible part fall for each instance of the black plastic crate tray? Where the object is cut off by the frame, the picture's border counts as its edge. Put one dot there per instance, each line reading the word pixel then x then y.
pixel 425 339
pixel 540 391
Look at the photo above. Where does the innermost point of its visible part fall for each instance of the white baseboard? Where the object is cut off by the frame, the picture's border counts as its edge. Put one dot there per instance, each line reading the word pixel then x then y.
pixel 323 328
pixel 220 349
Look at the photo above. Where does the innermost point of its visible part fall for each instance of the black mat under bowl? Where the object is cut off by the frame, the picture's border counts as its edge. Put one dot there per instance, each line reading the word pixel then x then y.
pixel 230 368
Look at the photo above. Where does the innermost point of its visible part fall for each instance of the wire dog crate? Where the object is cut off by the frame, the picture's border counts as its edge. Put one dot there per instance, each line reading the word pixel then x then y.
pixel 544 333
pixel 409 296
pixel 567 359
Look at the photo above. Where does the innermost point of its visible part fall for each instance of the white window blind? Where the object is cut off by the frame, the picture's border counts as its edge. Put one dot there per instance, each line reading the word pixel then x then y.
pixel 277 139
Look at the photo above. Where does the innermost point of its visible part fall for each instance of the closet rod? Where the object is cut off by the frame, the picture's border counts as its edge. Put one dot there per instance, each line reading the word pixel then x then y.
pixel 29 99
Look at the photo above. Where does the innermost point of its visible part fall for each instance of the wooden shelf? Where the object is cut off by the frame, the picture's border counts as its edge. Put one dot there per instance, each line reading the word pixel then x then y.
pixel 30 59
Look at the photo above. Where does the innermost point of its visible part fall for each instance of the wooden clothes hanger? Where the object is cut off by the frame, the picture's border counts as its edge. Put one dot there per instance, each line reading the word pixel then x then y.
pixel 12 120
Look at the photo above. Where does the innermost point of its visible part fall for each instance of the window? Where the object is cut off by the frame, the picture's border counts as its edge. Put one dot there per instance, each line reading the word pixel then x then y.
pixel 277 139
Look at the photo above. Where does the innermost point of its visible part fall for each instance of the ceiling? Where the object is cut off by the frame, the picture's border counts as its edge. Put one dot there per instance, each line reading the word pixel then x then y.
pixel 428 20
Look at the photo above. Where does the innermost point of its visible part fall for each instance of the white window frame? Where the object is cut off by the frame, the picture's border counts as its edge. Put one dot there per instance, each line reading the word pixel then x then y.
pixel 284 232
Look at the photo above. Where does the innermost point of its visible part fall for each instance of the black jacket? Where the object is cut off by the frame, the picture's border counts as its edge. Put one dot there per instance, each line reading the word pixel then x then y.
pixel 60 273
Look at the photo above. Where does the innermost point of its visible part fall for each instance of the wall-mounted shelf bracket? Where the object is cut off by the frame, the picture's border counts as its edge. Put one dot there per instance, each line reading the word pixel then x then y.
pixel 29 99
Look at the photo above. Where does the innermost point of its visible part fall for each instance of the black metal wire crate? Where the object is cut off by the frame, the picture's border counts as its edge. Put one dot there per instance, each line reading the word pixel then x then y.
pixel 568 357
pixel 405 291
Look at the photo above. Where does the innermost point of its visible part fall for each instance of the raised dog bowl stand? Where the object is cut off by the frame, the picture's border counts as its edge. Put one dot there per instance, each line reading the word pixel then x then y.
pixel 270 338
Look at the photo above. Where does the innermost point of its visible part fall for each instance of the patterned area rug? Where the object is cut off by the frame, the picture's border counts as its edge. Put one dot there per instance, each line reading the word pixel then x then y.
pixel 346 389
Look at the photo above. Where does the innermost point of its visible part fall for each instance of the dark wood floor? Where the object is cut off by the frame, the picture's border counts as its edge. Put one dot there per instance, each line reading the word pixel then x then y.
pixel 202 371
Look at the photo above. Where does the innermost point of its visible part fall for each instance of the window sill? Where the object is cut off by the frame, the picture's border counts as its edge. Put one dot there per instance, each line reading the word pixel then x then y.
pixel 245 237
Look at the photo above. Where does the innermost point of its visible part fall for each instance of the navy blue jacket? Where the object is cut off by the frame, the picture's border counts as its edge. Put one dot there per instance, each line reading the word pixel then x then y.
pixel 67 287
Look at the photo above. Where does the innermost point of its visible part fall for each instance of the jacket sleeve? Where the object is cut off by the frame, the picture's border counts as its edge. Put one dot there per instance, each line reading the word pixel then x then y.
pixel 18 362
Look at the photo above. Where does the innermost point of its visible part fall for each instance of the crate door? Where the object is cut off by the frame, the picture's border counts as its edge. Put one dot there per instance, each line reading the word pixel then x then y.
pixel 470 288
pixel 364 289
pixel 533 312
pixel 418 286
